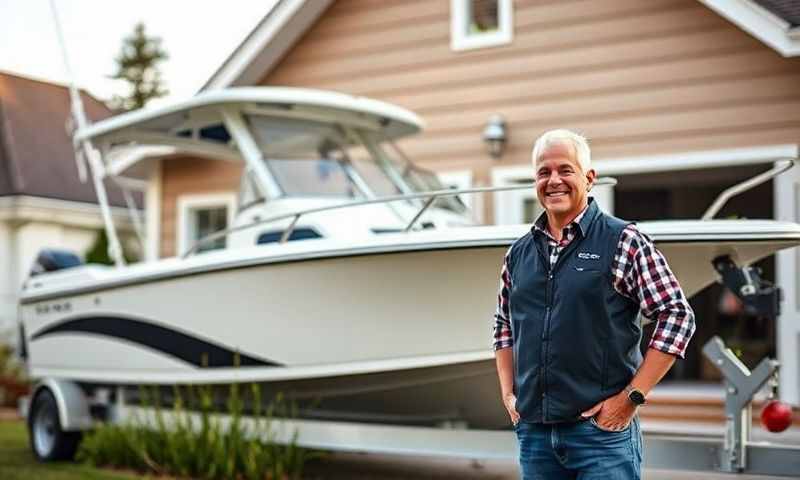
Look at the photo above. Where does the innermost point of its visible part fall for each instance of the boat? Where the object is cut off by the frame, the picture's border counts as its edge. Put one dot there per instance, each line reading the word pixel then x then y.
pixel 369 299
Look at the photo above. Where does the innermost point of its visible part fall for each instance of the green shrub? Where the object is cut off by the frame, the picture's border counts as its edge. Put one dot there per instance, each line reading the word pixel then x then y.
pixel 200 445
pixel 98 252
pixel 13 382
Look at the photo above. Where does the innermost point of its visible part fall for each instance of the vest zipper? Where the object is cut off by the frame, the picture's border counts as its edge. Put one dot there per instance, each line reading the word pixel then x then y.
pixel 546 341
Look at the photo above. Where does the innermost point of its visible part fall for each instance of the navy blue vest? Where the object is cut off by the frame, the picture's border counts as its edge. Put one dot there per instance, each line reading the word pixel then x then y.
pixel 576 340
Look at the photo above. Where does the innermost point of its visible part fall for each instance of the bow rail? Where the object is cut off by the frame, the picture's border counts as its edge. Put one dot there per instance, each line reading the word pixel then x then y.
pixel 430 197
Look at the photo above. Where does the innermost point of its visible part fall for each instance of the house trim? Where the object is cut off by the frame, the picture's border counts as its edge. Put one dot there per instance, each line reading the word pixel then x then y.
pixel 507 207
pixel 786 195
pixel 187 203
pixel 152 200
pixel 20 209
pixel 760 23
pixel 462 179
pixel 288 20
pixel 460 39
pixel 266 45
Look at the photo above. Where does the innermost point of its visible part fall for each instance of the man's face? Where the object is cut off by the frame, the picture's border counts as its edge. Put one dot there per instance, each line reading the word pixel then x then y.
pixel 561 185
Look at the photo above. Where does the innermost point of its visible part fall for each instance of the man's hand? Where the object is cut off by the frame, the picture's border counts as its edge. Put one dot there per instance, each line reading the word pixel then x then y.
pixel 510 402
pixel 613 413
pixel 505 373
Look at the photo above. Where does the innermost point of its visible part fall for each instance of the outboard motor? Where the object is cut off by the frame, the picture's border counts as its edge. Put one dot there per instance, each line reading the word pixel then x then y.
pixel 50 260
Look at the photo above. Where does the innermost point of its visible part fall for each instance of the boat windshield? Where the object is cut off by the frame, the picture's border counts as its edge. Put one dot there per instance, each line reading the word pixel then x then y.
pixel 309 158
pixel 420 179
pixel 317 159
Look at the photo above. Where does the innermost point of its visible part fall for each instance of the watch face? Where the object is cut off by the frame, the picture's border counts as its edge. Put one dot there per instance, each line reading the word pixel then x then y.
pixel 636 397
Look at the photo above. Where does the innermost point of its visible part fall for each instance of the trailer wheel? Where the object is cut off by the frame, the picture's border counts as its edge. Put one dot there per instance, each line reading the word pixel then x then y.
pixel 48 441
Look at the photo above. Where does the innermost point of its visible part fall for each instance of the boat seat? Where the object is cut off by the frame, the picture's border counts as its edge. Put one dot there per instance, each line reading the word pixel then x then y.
pixel 51 260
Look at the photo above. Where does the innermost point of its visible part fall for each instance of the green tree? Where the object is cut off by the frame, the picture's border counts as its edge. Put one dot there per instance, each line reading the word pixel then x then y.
pixel 137 64
pixel 98 252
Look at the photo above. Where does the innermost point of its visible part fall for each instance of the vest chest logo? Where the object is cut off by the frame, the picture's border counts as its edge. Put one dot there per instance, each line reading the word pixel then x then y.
pixel 588 256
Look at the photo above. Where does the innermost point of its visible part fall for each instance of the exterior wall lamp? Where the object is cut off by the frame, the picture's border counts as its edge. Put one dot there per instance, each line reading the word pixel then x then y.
pixel 495 135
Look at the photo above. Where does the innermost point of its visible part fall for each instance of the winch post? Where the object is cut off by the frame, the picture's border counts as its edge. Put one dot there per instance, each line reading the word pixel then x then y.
pixel 740 386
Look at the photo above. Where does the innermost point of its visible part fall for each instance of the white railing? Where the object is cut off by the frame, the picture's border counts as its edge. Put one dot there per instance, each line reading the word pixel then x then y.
pixel 429 197
pixel 781 165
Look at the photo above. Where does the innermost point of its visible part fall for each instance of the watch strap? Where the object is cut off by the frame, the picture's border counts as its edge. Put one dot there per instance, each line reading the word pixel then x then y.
pixel 635 395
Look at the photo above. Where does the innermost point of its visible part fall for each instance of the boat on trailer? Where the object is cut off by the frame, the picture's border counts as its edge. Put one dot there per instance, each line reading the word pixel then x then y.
pixel 351 281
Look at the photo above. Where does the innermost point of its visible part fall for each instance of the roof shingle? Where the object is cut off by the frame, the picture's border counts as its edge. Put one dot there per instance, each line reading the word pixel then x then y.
pixel 36 155
pixel 788 10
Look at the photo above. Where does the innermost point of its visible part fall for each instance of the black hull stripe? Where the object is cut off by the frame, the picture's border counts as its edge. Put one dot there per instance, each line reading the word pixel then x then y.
pixel 190 349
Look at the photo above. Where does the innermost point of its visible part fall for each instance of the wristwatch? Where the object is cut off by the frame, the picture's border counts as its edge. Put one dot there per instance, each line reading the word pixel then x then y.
pixel 635 395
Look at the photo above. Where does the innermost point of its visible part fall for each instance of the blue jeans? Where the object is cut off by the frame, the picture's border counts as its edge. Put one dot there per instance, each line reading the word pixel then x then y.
pixel 579 450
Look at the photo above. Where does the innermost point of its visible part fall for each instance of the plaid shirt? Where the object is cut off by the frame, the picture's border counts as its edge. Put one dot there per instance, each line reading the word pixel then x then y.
pixel 640 272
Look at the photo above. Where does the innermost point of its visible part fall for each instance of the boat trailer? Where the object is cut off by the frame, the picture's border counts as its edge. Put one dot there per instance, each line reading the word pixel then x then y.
pixel 735 453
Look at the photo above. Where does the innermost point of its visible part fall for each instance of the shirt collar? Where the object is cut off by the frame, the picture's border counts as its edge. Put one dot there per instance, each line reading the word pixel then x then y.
pixel 541 223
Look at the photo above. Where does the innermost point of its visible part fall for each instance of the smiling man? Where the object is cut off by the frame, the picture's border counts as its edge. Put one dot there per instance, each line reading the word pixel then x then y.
pixel 567 326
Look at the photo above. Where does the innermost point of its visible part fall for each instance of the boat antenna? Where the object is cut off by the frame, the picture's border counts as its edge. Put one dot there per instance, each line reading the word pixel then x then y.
pixel 85 151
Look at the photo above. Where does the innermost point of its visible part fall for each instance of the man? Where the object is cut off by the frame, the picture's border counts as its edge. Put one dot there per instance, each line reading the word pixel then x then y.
pixel 567 328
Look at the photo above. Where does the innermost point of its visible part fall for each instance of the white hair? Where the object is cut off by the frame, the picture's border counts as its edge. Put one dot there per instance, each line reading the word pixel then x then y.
pixel 559 137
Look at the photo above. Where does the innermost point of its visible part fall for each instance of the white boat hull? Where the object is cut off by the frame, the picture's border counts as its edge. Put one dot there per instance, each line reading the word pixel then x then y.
pixel 397 331
pixel 316 330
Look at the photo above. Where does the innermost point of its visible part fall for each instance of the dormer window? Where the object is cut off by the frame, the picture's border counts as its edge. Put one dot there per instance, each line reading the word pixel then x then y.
pixel 480 23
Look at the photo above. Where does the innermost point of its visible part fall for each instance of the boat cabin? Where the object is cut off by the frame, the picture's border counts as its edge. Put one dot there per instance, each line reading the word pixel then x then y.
pixel 297 150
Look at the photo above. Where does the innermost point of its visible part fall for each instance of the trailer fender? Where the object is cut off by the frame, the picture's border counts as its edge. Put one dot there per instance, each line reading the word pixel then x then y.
pixel 73 406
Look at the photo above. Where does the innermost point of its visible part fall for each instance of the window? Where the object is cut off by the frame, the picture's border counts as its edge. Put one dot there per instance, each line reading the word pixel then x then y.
pixel 310 158
pixel 462 179
pixel 321 177
pixel 297 234
pixel 513 207
pixel 531 209
pixel 480 23
pixel 420 180
pixel 249 191
pixel 373 173
pixel 202 215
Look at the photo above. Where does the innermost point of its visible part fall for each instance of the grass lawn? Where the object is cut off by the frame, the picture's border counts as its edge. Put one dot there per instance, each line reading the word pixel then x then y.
pixel 17 462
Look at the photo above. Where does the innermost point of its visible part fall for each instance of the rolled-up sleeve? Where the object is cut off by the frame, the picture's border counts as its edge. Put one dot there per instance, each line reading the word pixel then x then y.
pixel 641 273
pixel 503 337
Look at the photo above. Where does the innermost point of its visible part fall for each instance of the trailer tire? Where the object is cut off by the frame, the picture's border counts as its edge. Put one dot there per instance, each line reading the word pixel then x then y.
pixel 47 440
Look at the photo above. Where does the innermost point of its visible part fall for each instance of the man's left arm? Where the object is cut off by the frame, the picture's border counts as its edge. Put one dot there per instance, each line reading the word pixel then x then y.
pixel 641 272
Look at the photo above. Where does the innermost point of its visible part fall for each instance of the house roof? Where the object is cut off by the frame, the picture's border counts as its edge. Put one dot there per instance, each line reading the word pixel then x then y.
pixel 774 22
pixel 36 153
pixel 266 45
pixel 788 10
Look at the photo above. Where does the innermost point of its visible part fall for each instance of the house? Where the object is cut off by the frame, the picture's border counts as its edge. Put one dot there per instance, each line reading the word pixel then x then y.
pixel 680 99
pixel 42 200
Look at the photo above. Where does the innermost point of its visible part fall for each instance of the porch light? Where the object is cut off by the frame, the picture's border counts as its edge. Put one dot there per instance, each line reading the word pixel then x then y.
pixel 495 136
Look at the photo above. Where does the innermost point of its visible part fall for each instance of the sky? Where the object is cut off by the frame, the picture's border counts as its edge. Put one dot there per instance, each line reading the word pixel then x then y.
pixel 198 35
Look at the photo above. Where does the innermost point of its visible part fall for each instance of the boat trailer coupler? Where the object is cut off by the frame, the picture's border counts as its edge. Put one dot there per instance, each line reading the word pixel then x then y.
pixel 758 296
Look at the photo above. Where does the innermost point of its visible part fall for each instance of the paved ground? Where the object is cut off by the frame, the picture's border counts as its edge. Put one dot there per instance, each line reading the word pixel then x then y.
pixel 369 466
pixel 389 467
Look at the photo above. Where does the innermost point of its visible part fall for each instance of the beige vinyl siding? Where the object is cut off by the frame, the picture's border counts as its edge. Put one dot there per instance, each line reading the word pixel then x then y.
pixel 637 77
pixel 190 176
